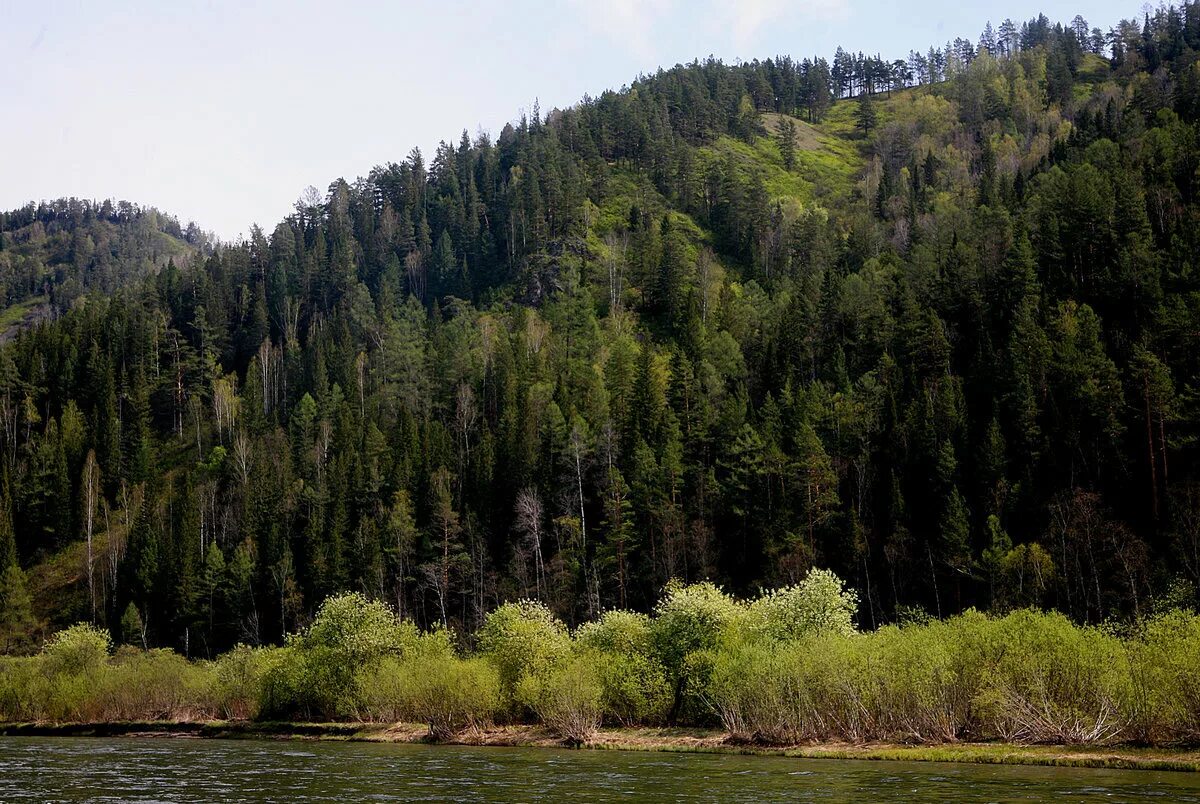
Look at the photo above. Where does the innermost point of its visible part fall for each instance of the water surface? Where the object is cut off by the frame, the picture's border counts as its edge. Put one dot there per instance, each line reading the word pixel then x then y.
pixel 170 770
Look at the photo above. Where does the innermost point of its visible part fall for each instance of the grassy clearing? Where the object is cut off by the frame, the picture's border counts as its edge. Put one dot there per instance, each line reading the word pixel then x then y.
pixel 15 316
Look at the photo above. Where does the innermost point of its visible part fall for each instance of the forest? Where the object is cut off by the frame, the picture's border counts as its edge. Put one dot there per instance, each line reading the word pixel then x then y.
pixel 932 324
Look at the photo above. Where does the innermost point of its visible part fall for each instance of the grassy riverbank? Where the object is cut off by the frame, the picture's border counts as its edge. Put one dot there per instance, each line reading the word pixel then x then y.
pixel 679 740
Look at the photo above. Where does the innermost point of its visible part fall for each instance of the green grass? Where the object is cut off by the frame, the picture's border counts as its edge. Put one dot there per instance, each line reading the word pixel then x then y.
pixel 15 314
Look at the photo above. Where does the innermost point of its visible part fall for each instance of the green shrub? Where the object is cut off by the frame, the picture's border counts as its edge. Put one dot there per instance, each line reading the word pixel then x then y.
pixel 781 693
pixel 448 693
pixel 77 650
pixel 1055 682
pixel 927 677
pixel 152 685
pixel 688 624
pixel 634 684
pixel 1164 700
pixel 617 631
pixel 820 602
pixel 383 686
pixel 568 698
pixel 25 689
pixel 318 677
pixel 634 688
pixel 239 678
pixel 520 639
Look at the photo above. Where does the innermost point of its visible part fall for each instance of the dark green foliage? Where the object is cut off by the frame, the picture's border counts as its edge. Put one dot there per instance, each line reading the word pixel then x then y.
pixel 948 349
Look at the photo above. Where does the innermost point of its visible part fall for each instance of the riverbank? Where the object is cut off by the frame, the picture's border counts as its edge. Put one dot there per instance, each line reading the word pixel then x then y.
pixel 679 740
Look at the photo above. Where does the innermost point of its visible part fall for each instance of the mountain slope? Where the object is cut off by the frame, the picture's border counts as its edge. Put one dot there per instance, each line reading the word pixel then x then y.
pixel 940 339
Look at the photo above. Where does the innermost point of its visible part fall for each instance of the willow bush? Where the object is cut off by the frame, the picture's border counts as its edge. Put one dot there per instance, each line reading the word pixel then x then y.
pixel 786 667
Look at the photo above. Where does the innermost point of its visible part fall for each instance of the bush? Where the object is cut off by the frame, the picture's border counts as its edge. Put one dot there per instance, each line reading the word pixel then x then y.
pixel 634 684
pixel 382 684
pixel 318 676
pixel 567 698
pixel 689 622
pixel 1164 702
pixel 25 690
pixel 820 602
pixel 448 693
pixel 617 631
pixel 78 650
pixel 926 677
pixel 522 639
pixel 238 683
pixel 152 685
pixel 1055 682
pixel 783 693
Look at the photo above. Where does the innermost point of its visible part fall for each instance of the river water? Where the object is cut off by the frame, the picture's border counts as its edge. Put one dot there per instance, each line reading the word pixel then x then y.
pixel 169 770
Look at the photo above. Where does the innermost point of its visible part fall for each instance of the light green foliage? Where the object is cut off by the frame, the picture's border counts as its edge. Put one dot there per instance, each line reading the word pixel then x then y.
pixel 319 679
pixel 690 619
pixel 1054 682
pixel 616 631
pixel 78 650
pixel 568 698
pixel 358 629
pixel 633 680
pixel 238 682
pixel 820 602
pixel 523 638
pixel 688 624
pixel 151 685
pixel 448 693
pixel 1165 694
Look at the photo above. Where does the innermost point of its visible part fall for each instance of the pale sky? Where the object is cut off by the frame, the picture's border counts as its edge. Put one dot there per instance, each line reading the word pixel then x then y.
pixel 223 112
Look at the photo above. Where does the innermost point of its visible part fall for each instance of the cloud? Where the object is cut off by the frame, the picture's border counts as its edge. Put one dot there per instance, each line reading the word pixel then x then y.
pixel 632 24
pixel 744 19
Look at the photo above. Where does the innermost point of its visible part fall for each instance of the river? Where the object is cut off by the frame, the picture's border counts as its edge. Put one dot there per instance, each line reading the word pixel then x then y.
pixel 168 770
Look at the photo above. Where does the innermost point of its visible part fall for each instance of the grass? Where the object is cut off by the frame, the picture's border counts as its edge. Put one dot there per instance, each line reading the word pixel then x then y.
pixel 15 314
pixel 676 740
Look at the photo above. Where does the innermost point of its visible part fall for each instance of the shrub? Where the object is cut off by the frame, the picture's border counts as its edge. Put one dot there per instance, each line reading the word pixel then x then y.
pixel 688 624
pixel 633 681
pixel 77 650
pixel 634 688
pixel 24 689
pixel 448 693
pixel 927 677
pixel 1055 682
pixel 522 639
pixel 238 683
pixel 1164 701
pixel 383 685
pixel 617 631
pixel 318 676
pixel 820 602
pixel 358 630
pixel 152 685
pixel 782 693
pixel 567 698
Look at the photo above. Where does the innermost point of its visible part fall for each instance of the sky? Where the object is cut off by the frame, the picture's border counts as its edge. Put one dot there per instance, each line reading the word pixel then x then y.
pixel 223 113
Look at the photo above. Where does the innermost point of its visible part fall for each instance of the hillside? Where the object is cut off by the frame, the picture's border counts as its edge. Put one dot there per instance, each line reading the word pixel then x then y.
pixel 928 323
pixel 52 254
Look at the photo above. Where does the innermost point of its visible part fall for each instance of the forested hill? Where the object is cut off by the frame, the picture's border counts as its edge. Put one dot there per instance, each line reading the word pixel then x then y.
pixel 52 254
pixel 931 323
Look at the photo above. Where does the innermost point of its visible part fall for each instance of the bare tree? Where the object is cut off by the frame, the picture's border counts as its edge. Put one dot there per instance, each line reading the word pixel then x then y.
pixel 614 262
pixel 90 489
pixel 528 510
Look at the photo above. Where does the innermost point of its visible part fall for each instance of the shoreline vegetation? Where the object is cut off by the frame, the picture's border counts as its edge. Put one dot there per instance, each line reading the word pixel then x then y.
pixel 664 739
pixel 785 673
